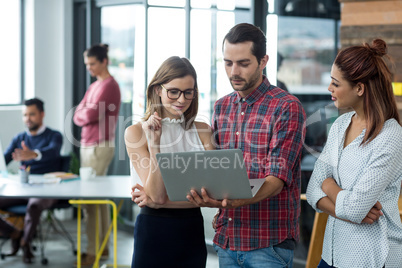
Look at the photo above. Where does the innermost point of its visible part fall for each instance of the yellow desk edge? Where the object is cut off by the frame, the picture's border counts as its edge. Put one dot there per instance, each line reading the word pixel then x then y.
pixel 115 211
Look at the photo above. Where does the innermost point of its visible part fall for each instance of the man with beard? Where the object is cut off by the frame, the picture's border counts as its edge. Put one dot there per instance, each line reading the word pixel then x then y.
pixel 268 125
pixel 37 147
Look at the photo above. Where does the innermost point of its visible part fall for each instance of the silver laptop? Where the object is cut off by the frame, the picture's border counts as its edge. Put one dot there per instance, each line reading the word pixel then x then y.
pixel 221 172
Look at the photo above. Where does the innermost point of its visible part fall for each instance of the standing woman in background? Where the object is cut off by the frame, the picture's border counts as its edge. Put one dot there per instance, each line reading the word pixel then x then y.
pixel 357 178
pixel 167 234
pixel 97 114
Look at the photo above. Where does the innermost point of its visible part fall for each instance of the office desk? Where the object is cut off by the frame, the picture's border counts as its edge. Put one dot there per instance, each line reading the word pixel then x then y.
pixel 102 187
pixel 93 191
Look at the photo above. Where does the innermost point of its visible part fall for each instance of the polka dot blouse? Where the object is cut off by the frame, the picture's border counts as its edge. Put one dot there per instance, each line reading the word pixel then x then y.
pixel 367 174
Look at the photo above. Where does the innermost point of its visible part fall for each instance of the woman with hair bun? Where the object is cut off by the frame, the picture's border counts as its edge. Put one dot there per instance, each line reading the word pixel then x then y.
pixel 357 178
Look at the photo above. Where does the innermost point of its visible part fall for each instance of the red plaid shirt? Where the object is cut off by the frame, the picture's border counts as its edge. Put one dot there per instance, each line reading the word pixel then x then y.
pixel 269 127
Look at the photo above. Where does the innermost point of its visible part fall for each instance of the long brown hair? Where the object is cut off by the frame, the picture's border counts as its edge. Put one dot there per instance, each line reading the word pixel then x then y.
pixel 172 68
pixel 367 64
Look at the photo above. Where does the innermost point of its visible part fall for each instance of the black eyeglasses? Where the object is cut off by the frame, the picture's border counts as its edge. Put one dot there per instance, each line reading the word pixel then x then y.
pixel 175 94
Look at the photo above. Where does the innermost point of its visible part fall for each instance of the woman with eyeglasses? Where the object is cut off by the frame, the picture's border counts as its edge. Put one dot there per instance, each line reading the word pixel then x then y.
pixel 166 233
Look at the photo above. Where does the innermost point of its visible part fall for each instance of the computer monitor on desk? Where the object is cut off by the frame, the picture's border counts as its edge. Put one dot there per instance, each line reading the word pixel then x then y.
pixel 3 167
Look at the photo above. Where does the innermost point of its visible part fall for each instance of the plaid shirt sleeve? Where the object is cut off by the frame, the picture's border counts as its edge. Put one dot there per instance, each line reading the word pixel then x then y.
pixel 286 142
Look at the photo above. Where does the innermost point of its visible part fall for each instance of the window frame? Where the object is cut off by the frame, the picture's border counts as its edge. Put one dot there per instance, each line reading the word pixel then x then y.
pixel 22 57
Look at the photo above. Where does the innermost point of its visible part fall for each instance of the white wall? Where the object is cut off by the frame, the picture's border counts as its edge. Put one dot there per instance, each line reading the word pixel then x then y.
pixel 48 66
pixel 11 122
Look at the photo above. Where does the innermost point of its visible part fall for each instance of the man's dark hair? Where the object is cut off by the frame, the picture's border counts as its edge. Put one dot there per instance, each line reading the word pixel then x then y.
pixel 35 101
pixel 98 51
pixel 244 32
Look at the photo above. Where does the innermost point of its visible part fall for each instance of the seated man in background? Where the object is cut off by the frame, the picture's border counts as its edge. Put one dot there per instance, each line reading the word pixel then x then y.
pixel 37 147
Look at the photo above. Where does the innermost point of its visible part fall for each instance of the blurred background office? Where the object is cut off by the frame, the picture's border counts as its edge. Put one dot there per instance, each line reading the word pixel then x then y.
pixel 43 41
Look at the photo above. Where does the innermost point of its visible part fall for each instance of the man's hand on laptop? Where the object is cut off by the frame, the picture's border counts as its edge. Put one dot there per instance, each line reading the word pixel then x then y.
pixel 205 201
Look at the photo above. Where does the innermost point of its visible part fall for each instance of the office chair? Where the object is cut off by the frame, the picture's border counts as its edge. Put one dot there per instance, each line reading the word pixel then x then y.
pixel 51 221
pixel 15 215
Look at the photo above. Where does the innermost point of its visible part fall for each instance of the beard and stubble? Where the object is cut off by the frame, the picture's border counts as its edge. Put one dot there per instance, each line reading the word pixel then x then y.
pixel 253 81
